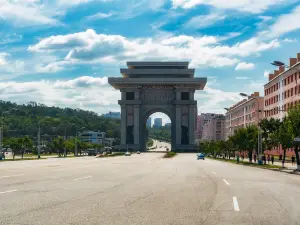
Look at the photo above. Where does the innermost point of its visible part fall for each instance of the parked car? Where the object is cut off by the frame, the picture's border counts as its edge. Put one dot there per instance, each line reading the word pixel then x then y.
pixel 91 152
pixel 127 154
pixel 138 152
pixel 200 156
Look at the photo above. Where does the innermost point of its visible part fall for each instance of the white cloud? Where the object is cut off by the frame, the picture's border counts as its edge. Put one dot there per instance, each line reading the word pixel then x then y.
pixel 90 93
pixel 3 60
pixel 203 21
pixel 244 66
pixel 99 16
pixel 266 73
pixel 242 78
pixel 90 47
pixel 26 13
pixel 288 40
pixel 285 24
pixel 253 6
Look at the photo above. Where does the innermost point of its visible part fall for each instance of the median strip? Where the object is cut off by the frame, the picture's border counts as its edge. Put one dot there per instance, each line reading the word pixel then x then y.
pixel 83 178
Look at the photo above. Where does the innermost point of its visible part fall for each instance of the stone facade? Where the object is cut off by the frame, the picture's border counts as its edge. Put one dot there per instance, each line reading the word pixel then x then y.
pixel 149 87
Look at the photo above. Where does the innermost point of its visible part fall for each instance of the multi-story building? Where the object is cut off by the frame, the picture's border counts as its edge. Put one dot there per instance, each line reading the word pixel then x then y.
pixel 95 138
pixel 148 124
pixel 214 130
pixel 283 89
pixel 201 120
pixel 157 123
pixel 246 112
pixel 114 115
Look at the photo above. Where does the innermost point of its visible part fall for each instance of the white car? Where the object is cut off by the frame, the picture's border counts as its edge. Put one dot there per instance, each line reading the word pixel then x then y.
pixel 127 154
pixel 138 152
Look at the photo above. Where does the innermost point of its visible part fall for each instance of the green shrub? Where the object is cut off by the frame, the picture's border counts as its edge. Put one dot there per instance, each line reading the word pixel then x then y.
pixel 170 154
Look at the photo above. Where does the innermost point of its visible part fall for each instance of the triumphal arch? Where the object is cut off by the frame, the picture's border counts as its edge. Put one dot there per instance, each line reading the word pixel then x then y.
pixel 149 87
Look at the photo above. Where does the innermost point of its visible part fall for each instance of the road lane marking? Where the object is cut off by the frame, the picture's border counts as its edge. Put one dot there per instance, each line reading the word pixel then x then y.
pixel 8 191
pixel 213 173
pixel 226 182
pixel 235 204
pixel 114 171
pixel 83 178
pixel 17 175
pixel 60 170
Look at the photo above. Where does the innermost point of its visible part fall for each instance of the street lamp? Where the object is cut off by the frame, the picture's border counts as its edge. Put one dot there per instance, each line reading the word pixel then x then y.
pixel 278 63
pixel 259 143
pixel 76 143
pixel 2 127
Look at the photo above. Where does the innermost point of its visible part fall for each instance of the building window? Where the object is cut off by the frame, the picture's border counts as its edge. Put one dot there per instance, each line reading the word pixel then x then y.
pixel 129 95
pixel 292 91
pixel 292 78
pixel 185 96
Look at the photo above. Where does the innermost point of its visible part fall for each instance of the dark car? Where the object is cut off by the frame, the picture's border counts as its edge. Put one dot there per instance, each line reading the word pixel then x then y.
pixel 91 152
pixel 200 156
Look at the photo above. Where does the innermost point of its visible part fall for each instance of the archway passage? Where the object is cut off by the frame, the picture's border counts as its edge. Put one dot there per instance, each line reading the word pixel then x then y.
pixel 149 87
pixel 158 133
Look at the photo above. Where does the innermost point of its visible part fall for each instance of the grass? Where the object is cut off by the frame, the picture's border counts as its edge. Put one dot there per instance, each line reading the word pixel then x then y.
pixel 169 154
pixel 265 166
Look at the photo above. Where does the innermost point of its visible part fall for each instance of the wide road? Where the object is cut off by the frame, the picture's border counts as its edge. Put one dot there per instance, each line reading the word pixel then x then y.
pixel 145 189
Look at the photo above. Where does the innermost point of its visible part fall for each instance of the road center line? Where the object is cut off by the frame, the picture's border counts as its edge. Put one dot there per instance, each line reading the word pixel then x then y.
pixel 226 182
pixel 213 173
pixel 83 178
pixel 17 175
pixel 235 204
pixel 8 191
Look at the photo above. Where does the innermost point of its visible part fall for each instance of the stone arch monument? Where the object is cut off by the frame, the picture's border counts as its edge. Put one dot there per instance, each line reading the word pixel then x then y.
pixel 149 87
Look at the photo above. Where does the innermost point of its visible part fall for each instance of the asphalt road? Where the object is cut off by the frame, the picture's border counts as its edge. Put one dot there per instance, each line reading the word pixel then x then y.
pixel 160 146
pixel 145 189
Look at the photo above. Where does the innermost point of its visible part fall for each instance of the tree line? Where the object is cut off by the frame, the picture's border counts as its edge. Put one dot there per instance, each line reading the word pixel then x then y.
pixel 19 120
pixel 22 145
pixel 274 133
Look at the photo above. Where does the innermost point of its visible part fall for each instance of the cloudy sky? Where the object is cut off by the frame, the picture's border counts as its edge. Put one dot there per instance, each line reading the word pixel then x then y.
pixel 60 52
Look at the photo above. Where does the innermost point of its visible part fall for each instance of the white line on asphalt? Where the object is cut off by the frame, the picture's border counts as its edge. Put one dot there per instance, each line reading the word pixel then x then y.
pixel 235 204
pixel 226 182
pixel 17 175
pixel 114 171
pixel 83 178
pixel 87 166
pixel 60 169
pixel 8 191
pixel 213 173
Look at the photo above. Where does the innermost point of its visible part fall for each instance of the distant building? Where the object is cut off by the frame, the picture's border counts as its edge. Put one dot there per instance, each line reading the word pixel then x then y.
pixel 202 119
pixel 214 130
pixel 168 124
pixel 96 138
pixel 114 115
pixel 157 123
pixel 149 120
pixel 245 113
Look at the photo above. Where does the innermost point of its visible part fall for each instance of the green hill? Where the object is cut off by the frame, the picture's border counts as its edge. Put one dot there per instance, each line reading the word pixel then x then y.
pixel 20 120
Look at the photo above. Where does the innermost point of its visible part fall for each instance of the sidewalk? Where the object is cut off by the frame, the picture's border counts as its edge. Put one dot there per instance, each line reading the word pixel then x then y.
pixel 288 167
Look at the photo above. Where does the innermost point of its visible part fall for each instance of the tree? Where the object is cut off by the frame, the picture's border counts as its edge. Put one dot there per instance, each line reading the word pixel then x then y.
pixel 69 145
pixel 26 143
pixel 58 143
pixel 293 126
pixel 282 137
pixel 15 144
pixel 268 127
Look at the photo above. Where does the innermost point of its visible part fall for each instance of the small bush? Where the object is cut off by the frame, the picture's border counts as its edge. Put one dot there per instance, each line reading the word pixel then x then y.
pixel 169 154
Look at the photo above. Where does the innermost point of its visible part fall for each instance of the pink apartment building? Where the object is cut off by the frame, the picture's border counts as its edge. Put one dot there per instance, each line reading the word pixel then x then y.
pixel 246 112
pixel 282 92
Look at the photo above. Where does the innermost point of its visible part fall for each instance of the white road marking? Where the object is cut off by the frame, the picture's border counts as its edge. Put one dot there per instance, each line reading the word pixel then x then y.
pixel 87 166
pixel 213 173
pixel 235 204
pixel 17 175
pixel 114 171
pixel 60 169
pixel 226 182
pixel 83 178
pixel 8 191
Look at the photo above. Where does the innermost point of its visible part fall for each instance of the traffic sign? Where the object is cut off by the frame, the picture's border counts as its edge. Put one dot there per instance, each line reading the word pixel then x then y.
pixel 297 139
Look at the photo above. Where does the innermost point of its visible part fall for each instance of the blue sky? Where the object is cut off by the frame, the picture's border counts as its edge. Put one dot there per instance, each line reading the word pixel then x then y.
pixel 61 52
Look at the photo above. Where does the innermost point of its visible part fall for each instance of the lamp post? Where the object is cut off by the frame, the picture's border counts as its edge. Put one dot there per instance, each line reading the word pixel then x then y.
pixel 76 142
pixel 2 127
pixel 259 143
pixel 39 141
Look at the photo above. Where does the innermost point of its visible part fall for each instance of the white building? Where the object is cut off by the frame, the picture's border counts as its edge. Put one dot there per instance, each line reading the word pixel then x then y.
pixel 202 119
pixel 96 138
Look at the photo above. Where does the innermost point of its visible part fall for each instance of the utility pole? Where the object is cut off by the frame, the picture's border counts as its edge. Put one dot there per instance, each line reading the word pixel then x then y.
pixel 65 138
pixel 39 141
pixel 76 143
